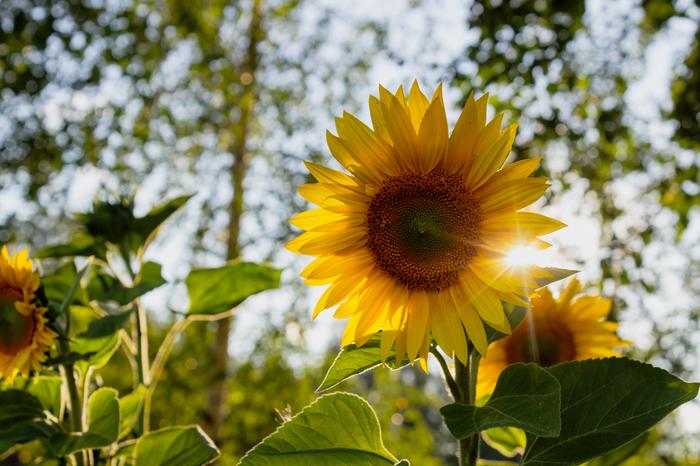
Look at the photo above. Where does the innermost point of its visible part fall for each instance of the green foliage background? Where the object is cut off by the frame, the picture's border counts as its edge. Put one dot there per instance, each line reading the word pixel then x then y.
pixel 226 98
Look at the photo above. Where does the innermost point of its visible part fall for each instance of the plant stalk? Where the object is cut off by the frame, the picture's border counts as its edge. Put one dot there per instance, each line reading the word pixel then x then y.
pixel 75 406
pixel 141 338
pixel 466 377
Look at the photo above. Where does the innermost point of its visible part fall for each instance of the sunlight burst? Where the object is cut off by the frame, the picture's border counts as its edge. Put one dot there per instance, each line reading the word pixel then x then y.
pixel 522 255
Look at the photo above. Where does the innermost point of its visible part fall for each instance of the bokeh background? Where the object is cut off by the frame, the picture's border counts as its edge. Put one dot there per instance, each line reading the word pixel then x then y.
pixel 226 98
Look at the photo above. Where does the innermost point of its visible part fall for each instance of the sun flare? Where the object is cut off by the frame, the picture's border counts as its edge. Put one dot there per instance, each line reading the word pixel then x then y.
pixel 522 256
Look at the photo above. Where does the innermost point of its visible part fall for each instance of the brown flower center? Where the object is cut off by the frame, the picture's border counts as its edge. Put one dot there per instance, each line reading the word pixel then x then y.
pixel 16 330
pixel 422 229
pixel 550 343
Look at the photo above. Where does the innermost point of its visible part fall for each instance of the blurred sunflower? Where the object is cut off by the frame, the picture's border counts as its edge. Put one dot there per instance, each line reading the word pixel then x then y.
pixel 556 330
pixel 24 334
pixel 413 240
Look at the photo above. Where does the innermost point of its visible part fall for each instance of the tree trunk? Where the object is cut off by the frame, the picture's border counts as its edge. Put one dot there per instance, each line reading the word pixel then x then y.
pixel 220 355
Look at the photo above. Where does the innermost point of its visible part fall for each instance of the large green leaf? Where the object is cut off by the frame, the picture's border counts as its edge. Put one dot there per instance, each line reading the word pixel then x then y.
pixel 103 425
pixel 24 431
pixel 17 406
pixel 175 446
pixel 352 361
pixel 339 428
pixel 146 227
pixel 526 397
pixel 47 389
pixel 508 441
pixel 95 352
pixel 107 325
pixel 80 244
pixel 129 408
pixel 217 290
pixel 90 342
pixel 605 404
pixel 104 287
pixel 621 454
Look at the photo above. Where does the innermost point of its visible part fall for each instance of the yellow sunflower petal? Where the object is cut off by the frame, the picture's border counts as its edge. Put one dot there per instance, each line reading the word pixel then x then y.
pixel 514 195
pixel 417 105
pixel 432 136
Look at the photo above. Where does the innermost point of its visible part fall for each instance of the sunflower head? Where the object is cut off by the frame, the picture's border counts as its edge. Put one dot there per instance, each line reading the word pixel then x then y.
pixel 24 334
pixel 412 237
pixel 567 328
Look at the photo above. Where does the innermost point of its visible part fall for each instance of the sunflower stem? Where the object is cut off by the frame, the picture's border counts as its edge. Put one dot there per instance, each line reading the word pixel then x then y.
pixel 75 406
pixel 141 338
pixel 466 376
pixel 449 379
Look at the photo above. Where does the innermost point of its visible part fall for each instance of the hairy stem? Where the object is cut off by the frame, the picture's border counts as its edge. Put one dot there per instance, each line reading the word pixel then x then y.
pixel 449 379
pixel 141 338
pixel 466 376
pixel 75 406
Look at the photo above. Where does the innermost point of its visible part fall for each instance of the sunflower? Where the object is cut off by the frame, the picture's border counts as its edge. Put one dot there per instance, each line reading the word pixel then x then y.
pixel 556 330
pixel 412 241
pixel 24 334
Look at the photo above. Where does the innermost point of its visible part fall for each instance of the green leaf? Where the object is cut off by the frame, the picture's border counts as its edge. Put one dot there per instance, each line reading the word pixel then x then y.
pixel 107 325
pixel 103 425
pixel 104 287
pixel 352 361
pixel 80 244
pixel 339 428
pixel 95 352
pixel 556 275
pixel 605 404
pixel 620 455
pixel 89 344
pixel 495 463
pixel 18 406
pixel 25 431
pixel 129 408
pixel 47 389
pixel 217 290
pixel 175 446
pixel 145 228
pixel 58 284
pixel 508 441
pixel 526 397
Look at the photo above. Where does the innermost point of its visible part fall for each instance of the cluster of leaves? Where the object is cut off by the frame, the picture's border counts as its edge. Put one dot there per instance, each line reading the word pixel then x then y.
pixel 93 308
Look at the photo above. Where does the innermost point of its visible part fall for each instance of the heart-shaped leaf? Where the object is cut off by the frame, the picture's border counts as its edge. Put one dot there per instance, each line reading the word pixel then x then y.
pixel 129 409
pixel 526 396
pixel 217 290
pixel 605 404
pixel 47 389
pixel 103 425
pixel 339 428
pixel 352 361
pixel 175 446
pixel 17 406
pixel 104 287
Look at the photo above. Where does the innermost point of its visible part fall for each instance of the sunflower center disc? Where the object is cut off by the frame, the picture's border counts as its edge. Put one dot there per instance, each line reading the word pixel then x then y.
pixel 16 330
pixel 422 229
